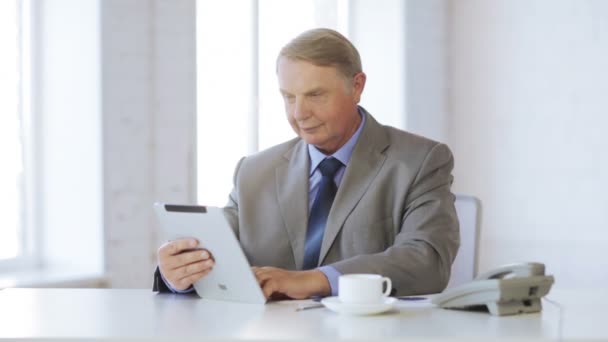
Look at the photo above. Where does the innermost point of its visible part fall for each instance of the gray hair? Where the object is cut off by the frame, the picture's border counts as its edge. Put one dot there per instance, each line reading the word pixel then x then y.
pixel 324 47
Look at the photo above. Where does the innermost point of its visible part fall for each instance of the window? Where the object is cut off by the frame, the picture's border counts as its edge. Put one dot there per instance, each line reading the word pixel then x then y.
pixel 43 62
pixel 278 22
pixel 14 241
pixel 240 110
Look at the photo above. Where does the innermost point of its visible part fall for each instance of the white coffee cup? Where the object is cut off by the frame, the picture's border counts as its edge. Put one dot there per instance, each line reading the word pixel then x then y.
pixel 363 288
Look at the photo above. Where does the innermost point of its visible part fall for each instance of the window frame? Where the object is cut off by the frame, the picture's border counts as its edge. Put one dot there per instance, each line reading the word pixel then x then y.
pixel 29 232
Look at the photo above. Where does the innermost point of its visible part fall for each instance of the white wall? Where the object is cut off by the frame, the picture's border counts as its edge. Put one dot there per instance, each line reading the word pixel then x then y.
pixel 378 31
pixel 149 111
pixel 529 116
pixel 426 47
pixel 403 47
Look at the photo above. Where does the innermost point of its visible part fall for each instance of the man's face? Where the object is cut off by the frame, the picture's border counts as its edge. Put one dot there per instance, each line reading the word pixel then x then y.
pixel 321 104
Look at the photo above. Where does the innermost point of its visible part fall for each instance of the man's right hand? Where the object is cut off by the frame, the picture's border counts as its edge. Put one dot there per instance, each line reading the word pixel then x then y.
pixel 181 266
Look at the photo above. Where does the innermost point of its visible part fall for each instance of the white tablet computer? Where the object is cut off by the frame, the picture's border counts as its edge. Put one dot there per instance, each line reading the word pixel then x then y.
pixel 231 278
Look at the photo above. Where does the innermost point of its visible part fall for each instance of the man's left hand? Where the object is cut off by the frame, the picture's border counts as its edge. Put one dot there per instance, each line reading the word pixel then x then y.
pixel 277 282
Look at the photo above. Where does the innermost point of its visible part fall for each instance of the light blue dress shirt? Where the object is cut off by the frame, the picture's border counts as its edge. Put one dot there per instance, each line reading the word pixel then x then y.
pixel 314 180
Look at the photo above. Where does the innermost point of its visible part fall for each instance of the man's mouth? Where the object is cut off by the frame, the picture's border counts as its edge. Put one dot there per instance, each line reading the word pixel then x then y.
pixel 309 129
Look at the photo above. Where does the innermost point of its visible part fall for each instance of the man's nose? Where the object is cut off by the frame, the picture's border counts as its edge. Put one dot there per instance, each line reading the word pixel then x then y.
pixel 299 111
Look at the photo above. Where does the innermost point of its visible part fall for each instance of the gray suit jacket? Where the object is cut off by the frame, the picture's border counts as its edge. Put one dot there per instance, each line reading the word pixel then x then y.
pixel 393 213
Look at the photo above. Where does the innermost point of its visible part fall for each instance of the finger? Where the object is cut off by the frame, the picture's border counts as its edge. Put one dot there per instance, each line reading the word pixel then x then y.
pixel 260 281
pixel 263 275
pixel 173 262
pixel 193 268
pixel 209 255
pixel 193 278
pixel 265 270
pixel 256 271
pixel 175 276
pixel 268 288
pixel 180 260
pixel 176 247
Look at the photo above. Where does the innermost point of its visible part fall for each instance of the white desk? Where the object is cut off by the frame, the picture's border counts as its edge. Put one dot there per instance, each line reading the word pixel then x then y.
pixel 113 314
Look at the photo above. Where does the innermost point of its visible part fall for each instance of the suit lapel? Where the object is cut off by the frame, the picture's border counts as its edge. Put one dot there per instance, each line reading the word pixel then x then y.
pixel 365 163
pixel 292 191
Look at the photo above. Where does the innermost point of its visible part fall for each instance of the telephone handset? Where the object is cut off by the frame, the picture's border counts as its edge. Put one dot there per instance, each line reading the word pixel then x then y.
pixel 507 290
pixel 527 269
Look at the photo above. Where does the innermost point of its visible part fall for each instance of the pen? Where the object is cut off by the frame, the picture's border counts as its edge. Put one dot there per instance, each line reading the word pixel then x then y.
pixel 308 307
pixel 411 298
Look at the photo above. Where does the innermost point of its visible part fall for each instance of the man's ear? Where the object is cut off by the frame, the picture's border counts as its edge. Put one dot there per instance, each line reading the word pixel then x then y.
pixel 358 86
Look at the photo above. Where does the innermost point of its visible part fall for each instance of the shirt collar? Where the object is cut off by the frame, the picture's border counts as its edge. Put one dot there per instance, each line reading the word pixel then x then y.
pixel 343 154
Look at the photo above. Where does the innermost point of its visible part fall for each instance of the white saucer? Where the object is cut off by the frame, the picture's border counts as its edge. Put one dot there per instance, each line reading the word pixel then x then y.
pixel 334 304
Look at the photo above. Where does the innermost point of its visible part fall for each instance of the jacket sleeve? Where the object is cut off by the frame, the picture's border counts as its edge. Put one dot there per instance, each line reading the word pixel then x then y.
pixel 159 285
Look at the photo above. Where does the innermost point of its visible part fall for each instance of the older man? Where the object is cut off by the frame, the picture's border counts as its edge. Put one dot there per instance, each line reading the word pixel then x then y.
pixel 348 195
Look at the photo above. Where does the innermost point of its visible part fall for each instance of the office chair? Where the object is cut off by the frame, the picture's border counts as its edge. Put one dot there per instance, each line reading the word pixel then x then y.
pixel 464 268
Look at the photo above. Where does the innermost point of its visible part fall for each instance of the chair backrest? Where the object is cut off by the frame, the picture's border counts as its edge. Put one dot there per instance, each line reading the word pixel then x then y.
pixel 464 268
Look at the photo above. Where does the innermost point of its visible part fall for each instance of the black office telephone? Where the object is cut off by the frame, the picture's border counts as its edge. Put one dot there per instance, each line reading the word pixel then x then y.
pixel 507 290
